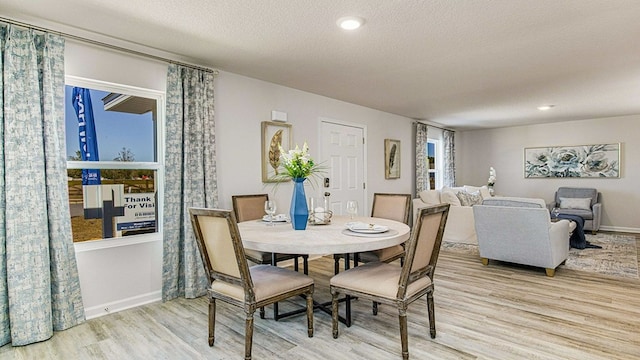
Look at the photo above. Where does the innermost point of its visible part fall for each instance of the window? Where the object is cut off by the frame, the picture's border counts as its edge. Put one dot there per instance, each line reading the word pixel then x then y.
pixel 113 167
pixel 434 159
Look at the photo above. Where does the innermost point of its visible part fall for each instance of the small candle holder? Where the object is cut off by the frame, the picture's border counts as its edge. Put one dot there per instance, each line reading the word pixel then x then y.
pixel 319 213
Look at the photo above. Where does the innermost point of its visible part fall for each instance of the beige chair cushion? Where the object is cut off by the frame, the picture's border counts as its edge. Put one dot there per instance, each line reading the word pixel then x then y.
pixel 379 279
pixel 382 254
pixel 268 281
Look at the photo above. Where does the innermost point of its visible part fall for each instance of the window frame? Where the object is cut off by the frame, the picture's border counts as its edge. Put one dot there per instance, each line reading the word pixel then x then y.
pixel 158 165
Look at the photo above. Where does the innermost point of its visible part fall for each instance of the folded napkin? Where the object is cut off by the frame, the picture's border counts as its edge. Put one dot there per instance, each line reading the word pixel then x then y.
pixel 365 226
pixel 278 217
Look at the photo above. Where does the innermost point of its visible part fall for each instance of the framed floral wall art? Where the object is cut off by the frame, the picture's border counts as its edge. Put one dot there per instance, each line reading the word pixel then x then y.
pixel 579 161
pixel 274 134
pixel 391 159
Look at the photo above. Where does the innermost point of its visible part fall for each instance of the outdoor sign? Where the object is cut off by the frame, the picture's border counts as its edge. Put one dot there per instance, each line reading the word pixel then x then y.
pixel 139 212
pixel 86 134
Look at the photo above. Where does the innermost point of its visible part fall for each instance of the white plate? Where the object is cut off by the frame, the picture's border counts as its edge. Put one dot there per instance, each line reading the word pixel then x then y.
pixel 363 228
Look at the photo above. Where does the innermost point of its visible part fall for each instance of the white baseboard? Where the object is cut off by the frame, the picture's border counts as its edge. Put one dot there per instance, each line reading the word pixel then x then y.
pixel 619 229
pixel 123 304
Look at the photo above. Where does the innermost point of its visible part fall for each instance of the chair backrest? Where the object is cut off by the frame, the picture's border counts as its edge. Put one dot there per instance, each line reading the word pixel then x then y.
pixel 391 206
pixel 220 245
pixel 423 247
pixel 573 192
pixel 249 207
pixel 514 229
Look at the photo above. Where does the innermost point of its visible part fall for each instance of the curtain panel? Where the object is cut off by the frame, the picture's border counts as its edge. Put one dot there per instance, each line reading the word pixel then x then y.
pixel 449 178
pixel 190 177
pixel 422 165
pixel 39 284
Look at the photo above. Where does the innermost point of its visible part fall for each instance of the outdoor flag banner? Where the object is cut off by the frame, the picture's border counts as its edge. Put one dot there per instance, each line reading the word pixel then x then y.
pixel 86 133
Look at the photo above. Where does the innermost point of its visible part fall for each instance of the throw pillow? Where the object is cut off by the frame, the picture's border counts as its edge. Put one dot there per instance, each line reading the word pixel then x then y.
pixel 575 203
pixel 469 199
pixel 449 197
pixel 430 196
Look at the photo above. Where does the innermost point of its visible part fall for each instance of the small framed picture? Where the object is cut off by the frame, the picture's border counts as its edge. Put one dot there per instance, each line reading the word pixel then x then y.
pixel 391 159
pixel 274 136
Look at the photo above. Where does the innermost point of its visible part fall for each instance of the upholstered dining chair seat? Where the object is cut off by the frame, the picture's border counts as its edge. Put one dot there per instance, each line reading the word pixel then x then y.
pixel 378 279
pixel 268 282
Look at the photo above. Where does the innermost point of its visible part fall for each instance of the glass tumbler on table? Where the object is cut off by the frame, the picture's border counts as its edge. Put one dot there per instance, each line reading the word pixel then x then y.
pixel 352 208
pixel 270 209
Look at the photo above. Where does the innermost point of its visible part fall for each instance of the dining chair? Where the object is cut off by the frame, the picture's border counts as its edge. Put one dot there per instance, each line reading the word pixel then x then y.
pixel 231 278
pixel 251 207
pixel 387 206
pixel 398 285
pixel 393 207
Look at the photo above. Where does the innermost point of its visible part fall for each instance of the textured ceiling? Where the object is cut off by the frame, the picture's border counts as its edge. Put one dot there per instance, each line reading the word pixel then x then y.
pixel 463 64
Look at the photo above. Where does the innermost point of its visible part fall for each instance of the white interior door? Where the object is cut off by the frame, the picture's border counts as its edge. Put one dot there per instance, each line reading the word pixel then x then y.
pixel 342 150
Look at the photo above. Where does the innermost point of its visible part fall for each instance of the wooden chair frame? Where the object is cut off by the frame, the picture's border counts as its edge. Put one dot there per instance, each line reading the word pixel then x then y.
pixel 267 258
pixel 407 276
pixel 244 280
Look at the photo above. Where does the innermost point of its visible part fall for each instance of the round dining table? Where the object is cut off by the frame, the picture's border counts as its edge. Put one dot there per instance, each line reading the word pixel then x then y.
pixel 332 238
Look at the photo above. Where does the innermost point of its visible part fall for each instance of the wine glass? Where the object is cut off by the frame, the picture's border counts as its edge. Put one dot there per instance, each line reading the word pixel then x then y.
pixel 270 209
pixel 352 208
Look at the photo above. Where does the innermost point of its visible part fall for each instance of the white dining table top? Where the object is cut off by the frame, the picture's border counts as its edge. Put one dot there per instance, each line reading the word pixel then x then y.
pixel 320 239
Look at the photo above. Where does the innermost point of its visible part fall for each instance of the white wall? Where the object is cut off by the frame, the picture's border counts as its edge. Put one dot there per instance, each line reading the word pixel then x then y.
pixel 242 103
pixel 503 149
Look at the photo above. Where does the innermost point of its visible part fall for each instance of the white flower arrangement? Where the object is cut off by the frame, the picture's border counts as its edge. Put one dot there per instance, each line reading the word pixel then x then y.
pixel 492 176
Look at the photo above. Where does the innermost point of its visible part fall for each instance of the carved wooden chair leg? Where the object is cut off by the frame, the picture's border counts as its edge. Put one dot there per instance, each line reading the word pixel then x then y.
pixel 310 314
pixel 334 314
pixel 248 335
pixel 432 315
pixel 212 321
pixel 402 316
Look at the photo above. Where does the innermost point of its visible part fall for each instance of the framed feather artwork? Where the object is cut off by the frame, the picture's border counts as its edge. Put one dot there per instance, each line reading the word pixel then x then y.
pixel 391 159
pixel 274 136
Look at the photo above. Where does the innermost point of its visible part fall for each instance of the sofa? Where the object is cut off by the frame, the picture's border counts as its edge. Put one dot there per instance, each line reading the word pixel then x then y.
pixel 460 226
pixel 520 230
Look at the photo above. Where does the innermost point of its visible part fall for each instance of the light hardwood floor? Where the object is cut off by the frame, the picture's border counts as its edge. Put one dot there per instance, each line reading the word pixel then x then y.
pixel 494 312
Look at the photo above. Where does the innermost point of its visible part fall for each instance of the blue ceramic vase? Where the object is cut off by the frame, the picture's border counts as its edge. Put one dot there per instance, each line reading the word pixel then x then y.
pixel 298 211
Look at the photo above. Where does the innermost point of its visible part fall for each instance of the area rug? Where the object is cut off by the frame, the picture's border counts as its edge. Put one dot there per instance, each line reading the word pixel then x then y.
pixel 618 256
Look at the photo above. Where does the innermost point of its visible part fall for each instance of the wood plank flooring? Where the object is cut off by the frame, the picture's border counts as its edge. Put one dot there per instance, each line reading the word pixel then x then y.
pixel 495 312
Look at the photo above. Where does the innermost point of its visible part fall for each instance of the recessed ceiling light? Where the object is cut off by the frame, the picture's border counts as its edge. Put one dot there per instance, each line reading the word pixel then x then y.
pixel 545 107
pixel 350 22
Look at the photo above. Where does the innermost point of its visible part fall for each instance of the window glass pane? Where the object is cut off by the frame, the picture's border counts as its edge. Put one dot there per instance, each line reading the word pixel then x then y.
pixel 124 125
pixel 122 205
pixel 431 155
pixel 432 181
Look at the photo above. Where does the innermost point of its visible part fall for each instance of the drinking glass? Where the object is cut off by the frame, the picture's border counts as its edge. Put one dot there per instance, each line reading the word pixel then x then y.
pixel 352 208
pixel 555 212
pixel 270 209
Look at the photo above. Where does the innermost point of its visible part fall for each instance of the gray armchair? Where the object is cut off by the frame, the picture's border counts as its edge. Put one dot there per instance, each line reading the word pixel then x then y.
pixel 520 231
pixel 590 211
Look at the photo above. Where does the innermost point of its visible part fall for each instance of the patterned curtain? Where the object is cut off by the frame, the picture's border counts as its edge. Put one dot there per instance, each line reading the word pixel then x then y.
pixel 190 177
pixel 422 166
pixel 39 284
pixel 449 158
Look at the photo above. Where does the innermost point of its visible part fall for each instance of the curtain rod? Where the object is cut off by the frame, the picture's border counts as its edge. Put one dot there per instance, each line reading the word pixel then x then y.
pixel 106 45
pixel 433 126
